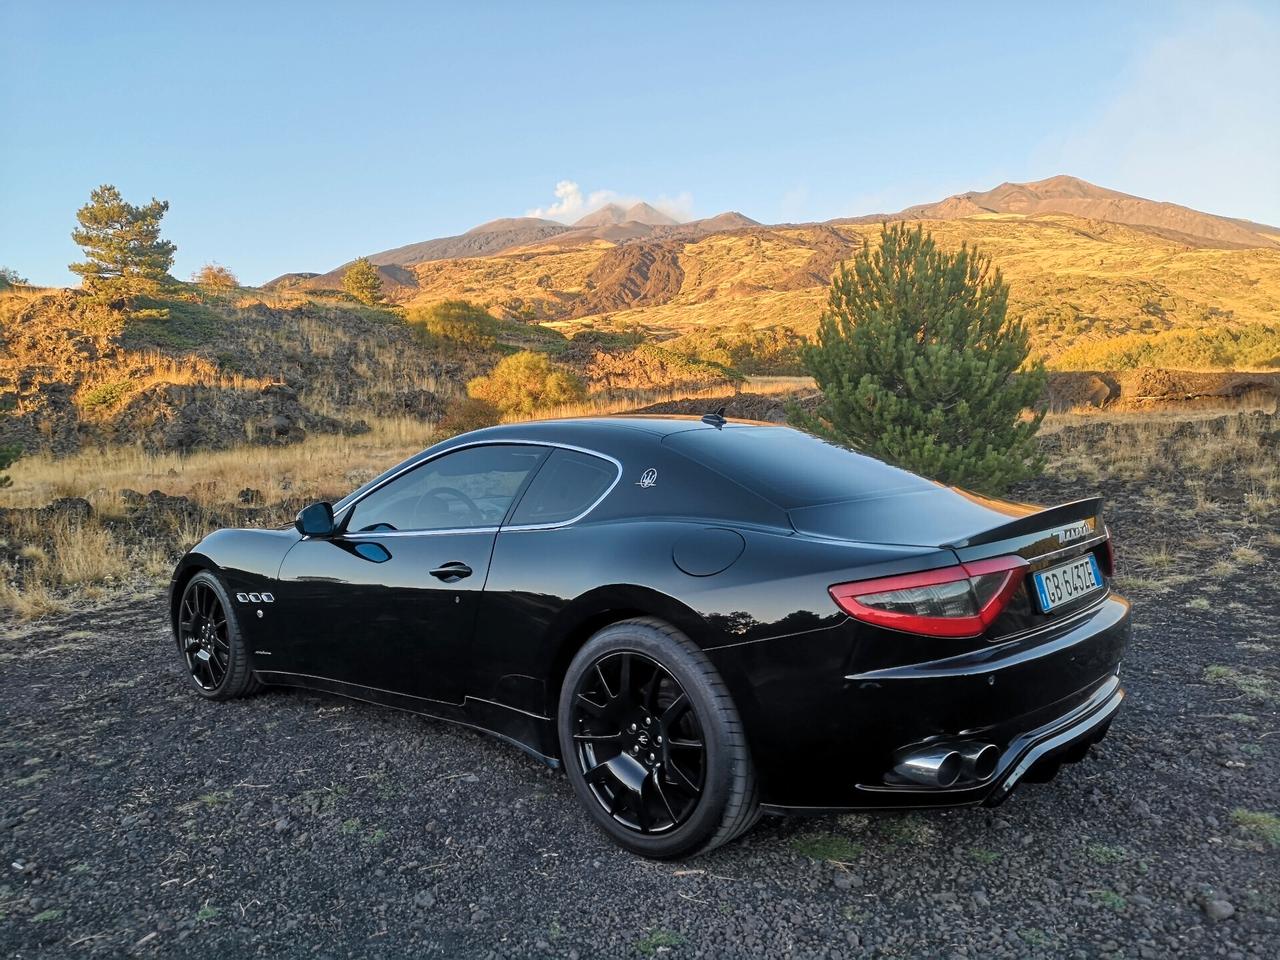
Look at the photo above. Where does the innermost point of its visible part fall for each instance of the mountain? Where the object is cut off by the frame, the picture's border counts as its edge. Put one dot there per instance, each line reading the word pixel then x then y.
pixel 1079 198
pixel 614 213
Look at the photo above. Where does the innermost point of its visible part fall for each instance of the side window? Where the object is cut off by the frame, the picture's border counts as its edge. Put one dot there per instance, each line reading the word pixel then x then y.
pixel 468 488
pixel 568 484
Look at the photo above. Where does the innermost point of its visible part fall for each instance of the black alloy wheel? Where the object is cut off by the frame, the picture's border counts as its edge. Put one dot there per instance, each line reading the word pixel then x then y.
pixel 202 631
pixel 210 640
pixel 638 742
pixel 652 742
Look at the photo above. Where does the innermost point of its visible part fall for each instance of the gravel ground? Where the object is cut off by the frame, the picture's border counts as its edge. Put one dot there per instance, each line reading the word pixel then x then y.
pixel 136 819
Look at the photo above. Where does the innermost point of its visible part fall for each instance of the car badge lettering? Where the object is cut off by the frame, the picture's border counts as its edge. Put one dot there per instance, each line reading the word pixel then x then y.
pixel 648 479
pixel 1075 531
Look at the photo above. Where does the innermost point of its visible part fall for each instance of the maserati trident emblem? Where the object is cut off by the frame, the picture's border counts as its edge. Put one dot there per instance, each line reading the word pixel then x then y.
pixel 648 478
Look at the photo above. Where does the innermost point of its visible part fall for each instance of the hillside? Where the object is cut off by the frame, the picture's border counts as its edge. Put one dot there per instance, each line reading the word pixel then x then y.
pixel 1076 281
pixel 1079 198
pixel 1088 267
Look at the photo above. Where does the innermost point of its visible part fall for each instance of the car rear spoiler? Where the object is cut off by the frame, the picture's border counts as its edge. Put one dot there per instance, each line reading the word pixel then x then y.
pixel 1062 515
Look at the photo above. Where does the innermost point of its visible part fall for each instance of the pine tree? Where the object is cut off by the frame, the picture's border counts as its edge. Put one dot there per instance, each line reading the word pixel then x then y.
pixel 126 258
pixel 362 281
pixel 920 366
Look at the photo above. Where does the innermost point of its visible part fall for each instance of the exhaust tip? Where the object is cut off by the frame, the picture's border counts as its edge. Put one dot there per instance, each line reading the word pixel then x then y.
pixel 931 766
pixel 979 760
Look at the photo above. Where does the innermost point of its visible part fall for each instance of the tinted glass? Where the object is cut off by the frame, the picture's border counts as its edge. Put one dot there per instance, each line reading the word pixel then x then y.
pixel 791 468
pixel 567 485
pixel 467 488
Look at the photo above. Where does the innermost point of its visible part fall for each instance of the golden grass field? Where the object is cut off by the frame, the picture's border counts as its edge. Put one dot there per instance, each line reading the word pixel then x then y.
pixel 67 561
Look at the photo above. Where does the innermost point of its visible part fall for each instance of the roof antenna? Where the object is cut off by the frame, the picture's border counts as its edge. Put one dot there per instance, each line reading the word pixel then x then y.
pixel 715 418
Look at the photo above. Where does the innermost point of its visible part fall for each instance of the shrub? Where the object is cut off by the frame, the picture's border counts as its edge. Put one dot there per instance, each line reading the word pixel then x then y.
pixel 526 382
pixel 774 351
pixel 1219 348
pixel 7 457
pixel 363 281
pixel 10 278
pixel 458 321
pixel 470 413
pixel 215 279
pixel 106 395
pixel 919 365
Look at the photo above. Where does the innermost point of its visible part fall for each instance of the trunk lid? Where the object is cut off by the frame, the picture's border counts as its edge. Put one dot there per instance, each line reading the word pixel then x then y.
pixel 977 528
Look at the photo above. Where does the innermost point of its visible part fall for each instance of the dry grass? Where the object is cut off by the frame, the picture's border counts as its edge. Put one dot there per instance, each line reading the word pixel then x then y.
pixel 62 554
pixel 600 405
pixel 1210 451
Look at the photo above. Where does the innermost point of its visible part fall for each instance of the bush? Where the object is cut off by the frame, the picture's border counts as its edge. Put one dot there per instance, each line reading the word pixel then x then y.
pixel 215 279
pixel 106 395
pixel 457 321
pixel 7 457
pixel 919 365
pixel 1213 348
pixel 775 351
pixel 468 414
pixel 363 281
pixel 526 382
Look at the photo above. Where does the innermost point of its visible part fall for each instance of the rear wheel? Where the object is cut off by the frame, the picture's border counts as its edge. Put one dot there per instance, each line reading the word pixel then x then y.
pixel 209 639
pixel 653 744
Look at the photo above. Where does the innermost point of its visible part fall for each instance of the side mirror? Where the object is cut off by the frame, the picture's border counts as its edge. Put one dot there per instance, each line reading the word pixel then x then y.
pixel 315 520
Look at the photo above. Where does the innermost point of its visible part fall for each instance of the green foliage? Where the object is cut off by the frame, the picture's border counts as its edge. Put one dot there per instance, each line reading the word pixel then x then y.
pixel 125 257
pixel 7 457
pixel 106 395
pixel 1264 825
pixel 658 940
pixel 526 382
pixel 775 351
pixel 920 366
pixel 10 277
pixel 1256 345
pixel 608 339
pixel 470 413
pixel 362 281
pixel 457 321
pixel 174 324
pixel 827 846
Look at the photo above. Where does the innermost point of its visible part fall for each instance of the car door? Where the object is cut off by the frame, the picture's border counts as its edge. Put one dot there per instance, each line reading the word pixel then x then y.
pixel 389 603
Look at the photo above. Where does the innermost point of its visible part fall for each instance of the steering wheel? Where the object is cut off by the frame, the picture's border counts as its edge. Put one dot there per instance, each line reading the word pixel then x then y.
pixel 462 498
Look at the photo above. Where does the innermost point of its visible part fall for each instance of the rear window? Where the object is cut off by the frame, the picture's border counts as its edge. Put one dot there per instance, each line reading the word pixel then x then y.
pixel 568 484
pixel 791 468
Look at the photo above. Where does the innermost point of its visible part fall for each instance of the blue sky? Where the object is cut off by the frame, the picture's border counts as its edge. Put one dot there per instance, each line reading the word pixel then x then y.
pixel 294 137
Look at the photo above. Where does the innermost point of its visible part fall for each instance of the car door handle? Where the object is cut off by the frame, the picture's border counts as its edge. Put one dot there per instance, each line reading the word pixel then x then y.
pixel 451 572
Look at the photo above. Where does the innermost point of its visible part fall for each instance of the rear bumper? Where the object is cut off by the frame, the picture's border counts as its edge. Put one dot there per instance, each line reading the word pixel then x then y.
pixel 1040 700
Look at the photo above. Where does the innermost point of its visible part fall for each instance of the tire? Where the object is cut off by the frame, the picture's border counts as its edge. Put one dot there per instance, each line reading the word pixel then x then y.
pixel 647 786
pixel 210 641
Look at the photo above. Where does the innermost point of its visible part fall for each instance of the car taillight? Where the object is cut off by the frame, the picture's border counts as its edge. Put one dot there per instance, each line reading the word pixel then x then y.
pixel 1109 556
pixel 959 601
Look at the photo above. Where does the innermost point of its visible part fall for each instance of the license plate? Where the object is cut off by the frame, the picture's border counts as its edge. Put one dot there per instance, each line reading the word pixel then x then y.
pixel 1066 582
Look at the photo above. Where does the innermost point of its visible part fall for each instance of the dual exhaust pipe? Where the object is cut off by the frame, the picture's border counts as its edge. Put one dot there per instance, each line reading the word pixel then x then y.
pixel 942 765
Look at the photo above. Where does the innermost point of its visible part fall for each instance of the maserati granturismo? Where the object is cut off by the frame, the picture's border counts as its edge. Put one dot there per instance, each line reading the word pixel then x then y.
pixel 700 621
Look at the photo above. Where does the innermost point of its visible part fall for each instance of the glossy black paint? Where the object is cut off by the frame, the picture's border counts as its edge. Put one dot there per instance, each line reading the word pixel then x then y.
pixel 478 626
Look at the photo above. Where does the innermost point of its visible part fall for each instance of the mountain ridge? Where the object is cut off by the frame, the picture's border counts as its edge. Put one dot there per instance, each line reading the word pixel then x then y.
pixel 613 224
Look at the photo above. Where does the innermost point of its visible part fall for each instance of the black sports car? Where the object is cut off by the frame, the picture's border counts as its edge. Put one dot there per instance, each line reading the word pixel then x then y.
pixel 700 620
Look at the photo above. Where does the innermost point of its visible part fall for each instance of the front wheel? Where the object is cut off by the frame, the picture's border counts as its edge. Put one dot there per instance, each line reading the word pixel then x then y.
pixel 209 639
pixel 653 744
